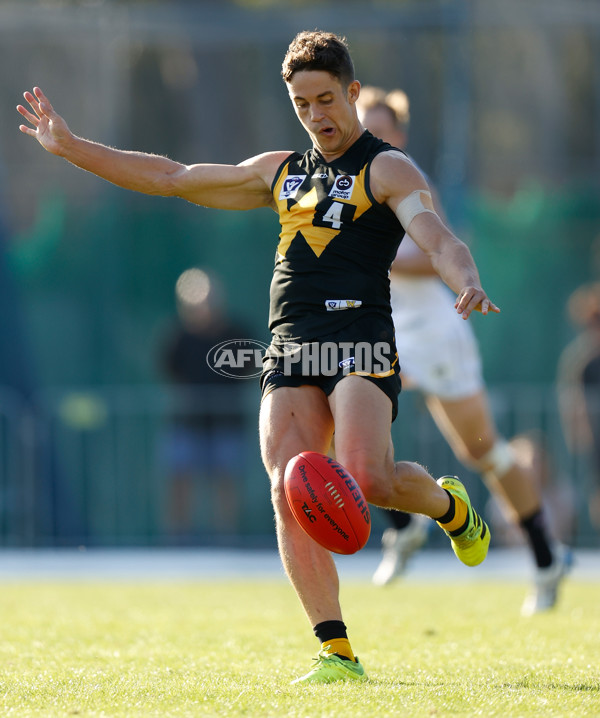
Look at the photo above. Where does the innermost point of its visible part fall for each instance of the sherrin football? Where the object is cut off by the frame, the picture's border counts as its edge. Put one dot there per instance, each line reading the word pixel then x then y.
pixel 327 502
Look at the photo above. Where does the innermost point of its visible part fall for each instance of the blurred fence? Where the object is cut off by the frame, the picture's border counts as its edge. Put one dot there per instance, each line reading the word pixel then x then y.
pixel 84 467
pixel 504 101
pixel 505 104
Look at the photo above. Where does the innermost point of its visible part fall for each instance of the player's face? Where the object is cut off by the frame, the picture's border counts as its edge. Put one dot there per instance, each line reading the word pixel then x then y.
pixel 380 123
pixel 326 110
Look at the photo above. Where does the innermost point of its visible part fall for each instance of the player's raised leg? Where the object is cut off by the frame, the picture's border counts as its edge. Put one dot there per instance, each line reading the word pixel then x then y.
pixel 364 446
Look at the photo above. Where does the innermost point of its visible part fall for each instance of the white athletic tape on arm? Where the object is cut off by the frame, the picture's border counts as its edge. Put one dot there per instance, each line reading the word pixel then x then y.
pixel 411 206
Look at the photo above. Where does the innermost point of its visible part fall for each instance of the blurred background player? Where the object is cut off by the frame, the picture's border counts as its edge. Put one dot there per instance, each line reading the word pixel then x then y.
pixel 439 356
pixel 578 384
pixel 202 449
pixel 559 497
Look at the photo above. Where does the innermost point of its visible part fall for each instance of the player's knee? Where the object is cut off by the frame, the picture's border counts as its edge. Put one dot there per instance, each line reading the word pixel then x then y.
pixel 370 476
pixel 278 497
pixel 497 461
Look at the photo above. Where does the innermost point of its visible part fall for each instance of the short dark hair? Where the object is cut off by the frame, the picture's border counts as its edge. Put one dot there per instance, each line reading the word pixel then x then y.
pixel 318 50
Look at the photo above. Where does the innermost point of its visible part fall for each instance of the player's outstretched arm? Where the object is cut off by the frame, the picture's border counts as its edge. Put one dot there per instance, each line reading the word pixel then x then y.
pixel 243 186
pixel 411 260
pixel 397 182
pixel 453 261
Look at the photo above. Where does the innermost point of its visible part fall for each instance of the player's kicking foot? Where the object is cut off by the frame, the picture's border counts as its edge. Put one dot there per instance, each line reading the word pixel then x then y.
pixel 471 541
pixel 329 668
pixel 544 593
pixel 398 546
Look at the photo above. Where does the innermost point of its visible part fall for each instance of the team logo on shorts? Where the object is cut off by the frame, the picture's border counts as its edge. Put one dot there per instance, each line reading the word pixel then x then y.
pixel 291 185
pixel 348 363
pixel 342 187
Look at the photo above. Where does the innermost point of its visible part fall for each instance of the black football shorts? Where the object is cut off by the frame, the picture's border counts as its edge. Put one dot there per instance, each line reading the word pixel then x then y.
pixel 365 347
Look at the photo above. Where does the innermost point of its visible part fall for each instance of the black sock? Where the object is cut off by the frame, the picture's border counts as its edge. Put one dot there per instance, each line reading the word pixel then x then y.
pixel 535 529
pixel 328 630
pixel 449 515
pixel 399 519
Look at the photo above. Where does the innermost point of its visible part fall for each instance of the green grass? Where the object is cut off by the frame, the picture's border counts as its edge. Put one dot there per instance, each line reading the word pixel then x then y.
pixel 232 648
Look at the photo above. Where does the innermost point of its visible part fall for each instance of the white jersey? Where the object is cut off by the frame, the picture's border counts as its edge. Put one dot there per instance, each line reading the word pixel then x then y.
pixel 437 348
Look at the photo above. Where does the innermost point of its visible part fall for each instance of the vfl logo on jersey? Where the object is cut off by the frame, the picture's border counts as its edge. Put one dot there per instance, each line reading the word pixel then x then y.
pixel 342 187
pixel 336 305
pixel 291 185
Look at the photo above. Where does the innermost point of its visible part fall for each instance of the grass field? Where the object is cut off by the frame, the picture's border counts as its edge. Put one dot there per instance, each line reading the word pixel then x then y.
pixel 231 648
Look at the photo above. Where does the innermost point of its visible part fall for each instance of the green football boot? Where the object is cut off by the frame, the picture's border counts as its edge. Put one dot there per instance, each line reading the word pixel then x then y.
pixel 329 667
pixel 471 541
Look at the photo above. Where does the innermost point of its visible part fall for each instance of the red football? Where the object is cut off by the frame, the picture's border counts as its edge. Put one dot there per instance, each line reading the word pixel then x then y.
pixel 327 502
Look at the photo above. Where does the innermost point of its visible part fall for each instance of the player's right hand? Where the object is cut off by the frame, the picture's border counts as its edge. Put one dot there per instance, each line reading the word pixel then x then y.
pixel 48 127
pixel 474 299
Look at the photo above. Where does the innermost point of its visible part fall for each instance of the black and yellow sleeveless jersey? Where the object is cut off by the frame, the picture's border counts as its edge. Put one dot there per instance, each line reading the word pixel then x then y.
pixel 336 245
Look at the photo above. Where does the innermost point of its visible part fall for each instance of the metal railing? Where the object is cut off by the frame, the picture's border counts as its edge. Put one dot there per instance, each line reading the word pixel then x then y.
pixel 84 467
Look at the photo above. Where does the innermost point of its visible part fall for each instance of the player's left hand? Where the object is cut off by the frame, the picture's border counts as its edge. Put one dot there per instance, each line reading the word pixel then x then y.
pixel 474 299
pixel 45 124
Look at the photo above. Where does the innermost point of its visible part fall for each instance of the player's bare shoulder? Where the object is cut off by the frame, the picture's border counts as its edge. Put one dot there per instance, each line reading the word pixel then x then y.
pixel 266 165
pixel 394 174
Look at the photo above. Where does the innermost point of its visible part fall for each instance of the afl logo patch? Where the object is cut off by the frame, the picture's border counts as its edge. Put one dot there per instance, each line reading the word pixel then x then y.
pixel 342 187
pixel 291 185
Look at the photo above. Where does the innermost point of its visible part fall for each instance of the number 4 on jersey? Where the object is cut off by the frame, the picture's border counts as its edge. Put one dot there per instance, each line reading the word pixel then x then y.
pixel 334 215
